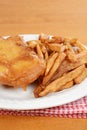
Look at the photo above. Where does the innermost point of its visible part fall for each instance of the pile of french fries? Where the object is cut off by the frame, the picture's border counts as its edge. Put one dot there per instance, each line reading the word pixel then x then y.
pixel 65 60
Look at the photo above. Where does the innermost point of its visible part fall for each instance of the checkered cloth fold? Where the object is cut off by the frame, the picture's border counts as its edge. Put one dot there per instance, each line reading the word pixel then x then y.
pixel 76 109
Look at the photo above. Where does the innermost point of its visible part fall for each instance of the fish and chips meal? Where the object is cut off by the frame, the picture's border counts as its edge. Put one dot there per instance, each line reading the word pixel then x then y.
pixel 55 63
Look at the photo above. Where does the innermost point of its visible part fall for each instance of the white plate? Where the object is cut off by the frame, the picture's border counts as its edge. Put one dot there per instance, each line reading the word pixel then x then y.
pixel 18 99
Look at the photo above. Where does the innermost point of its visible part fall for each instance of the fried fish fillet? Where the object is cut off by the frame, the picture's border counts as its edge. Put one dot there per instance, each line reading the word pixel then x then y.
pixel 19 66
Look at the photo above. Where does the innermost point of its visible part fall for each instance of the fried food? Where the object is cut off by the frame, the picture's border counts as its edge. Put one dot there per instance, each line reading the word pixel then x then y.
pixel 58 83
pixel 45 52
pixel 67 65
pixel 19 66
pixel 67 85
pixel 81 77
pixel 50 62
pixel 61 74
pixel 55 47
pixel 32 44
pixel 39 52
pixel 40 88
pixel 56 65
pixel 70 53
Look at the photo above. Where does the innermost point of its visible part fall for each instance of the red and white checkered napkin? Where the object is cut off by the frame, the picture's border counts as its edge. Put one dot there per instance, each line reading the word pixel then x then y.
pixel 76 109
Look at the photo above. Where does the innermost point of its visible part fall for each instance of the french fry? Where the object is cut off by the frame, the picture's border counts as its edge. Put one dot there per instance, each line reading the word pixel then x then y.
pixel 67 85
pixel 70 53
pixel 55 47
pixel 40 88
pixel 50 62
pixel 37 90
pixel 43 37
pixel 52 39
pixel 70 47
pixel 56 85
pixel 67 65
pixel 71 56
pixel 64 67
pixel 43 48
pixel 32 44
pixel 58 39
pixel 39 52
pixel 46 55
pixel 81 77
pixel 45 52
pixel 56 65
pixel 79 45
pixel 73 40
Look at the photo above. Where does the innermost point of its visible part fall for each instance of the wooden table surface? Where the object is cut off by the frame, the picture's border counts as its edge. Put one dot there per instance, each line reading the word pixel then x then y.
pixel 60 17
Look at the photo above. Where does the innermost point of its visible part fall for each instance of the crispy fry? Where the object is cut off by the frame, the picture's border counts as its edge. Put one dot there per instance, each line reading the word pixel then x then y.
pixel 43 37
pixel 45 52
pixel 67 65
pixel 79 45
pixel 46 38
pixel 56 65
pixel 56 85
pixel 73 40
pixel 32 44
pixel 43 48
pixel 70 47
pixel 58 39
pixel 46 55
pixel 70 53
pixel 39 52
pixel 81 77
pixel 71 56
pixel 50 62
pixel 37 90
pixel 67 85
pixel 55 47
pixel 63 69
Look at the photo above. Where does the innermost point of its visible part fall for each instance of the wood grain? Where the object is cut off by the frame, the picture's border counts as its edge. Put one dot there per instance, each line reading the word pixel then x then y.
pixel 59 17
pixel 41 123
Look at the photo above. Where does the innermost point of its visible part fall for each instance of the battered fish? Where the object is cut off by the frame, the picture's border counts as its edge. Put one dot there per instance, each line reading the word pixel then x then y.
pixel 19 66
